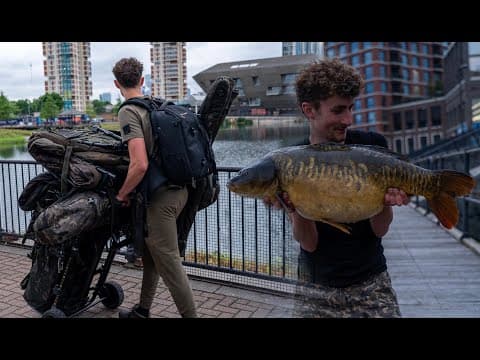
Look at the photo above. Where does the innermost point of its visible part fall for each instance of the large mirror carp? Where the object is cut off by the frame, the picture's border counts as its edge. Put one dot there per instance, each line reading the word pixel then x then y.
pixel 341 184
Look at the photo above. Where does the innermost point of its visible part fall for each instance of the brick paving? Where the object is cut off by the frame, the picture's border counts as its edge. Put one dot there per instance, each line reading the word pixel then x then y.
pixel 213 300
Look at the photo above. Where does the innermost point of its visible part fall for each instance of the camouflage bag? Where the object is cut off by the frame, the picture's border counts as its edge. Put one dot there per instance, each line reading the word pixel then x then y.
pixel 40 192
pixel 70 217
pixel 80 156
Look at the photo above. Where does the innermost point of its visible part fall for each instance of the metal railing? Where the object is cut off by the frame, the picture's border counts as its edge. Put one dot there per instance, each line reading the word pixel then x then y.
pixel 466 161
pixel 235 239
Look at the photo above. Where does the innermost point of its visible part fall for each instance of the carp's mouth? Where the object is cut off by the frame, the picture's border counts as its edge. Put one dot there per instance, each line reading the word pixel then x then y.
pixel 255 180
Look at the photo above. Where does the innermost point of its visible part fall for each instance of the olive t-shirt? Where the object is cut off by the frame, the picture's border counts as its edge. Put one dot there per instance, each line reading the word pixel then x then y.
pixel 135 123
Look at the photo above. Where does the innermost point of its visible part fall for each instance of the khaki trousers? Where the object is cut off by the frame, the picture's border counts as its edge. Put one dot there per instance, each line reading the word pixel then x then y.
pixel 161 256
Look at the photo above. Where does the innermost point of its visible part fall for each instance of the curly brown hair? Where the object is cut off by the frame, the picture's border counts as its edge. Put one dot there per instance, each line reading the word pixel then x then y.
pixel 128 72
pixel 327 78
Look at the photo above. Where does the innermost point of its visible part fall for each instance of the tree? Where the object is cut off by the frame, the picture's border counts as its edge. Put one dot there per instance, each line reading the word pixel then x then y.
pixel 14 108
pixel 116 107
pixel 5 107
pixel 49 109
pixel 57 99
pixel 90 110
pixel 99 106
pixel 36 105
pixel 24 106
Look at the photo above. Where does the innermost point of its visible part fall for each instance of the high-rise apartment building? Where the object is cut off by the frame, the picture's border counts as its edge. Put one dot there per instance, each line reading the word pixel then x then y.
pixel 106 97
pixel 68 71
pixel 397 75
pixel 169 70
pixel 302 48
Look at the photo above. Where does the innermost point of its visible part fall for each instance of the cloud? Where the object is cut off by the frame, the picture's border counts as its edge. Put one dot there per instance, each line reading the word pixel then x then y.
pixel 20 81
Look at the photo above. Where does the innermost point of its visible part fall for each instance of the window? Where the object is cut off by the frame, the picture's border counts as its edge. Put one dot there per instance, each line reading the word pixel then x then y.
pixel 369 88
pixel 367 57
pixel 410 145
pixel 436 116
pixel 423 141
pixel 355 60
pixel 382 71
pixel 358 104
pixel 397 121
pixel 426 76
pixel 436 138
pixel 274 90
pixel 370 102
pixel 372 117
pixel 398 146
pixel 409 122
pixel 256 81
pixel 422 118
pixel 358 119
pixel 381 55
pixel 368 72
pixel 288 79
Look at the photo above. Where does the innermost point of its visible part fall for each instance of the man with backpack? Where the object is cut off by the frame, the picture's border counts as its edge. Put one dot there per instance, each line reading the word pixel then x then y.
pixel 160 254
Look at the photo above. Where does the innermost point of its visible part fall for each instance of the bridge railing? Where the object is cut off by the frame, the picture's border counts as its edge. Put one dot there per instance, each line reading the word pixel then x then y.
pixel 235 239
pixel 467 161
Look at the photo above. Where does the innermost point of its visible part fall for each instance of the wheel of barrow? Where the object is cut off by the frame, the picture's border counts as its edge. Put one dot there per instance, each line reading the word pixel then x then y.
pixel 113 295
pixel 54 313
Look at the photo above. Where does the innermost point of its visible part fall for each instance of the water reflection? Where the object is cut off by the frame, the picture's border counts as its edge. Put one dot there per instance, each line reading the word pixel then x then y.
pixel 14 152
pixel 233 146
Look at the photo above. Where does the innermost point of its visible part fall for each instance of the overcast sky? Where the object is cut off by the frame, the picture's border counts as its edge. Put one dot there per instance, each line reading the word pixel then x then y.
pixel 21 64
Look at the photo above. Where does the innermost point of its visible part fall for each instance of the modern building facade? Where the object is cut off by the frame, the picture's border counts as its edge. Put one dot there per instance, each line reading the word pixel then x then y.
pixel 400 78
pixel 265 86
pixel 462 87
pixel 169 70
pixel 302 48
pixel 107 97
pixel 147 86
pixel 68 70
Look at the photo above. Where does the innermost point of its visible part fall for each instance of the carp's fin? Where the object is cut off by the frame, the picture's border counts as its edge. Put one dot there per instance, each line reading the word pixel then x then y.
pixel 443 204
pixel 341 227
pixel 383 150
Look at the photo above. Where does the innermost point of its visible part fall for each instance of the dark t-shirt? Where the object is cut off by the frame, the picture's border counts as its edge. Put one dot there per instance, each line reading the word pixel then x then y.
pixel 341 259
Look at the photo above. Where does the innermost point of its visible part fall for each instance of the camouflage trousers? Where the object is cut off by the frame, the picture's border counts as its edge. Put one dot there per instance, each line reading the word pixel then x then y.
pixel 374 298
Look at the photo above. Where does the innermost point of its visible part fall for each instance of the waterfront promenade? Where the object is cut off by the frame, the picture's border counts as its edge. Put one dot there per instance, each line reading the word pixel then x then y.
pixel 433 274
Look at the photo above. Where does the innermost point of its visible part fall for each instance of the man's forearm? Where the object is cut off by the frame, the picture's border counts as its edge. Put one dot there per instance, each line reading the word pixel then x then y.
pixel 304 231
pixel 134 177
pixel 381 222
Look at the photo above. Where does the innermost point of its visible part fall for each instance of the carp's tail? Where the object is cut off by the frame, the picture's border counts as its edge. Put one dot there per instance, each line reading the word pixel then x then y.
pixel 443 204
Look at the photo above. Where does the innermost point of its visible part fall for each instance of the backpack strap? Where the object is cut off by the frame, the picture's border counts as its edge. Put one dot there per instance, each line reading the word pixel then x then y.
pixel 144 103
pixel 149 103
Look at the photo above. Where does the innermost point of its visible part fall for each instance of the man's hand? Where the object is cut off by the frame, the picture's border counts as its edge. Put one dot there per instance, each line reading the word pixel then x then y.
pixel 123 200
pixel 395 196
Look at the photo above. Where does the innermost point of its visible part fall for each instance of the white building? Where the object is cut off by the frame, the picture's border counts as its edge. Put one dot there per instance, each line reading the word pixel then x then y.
pixel 302 48
pixel 169 70
pixel 68 71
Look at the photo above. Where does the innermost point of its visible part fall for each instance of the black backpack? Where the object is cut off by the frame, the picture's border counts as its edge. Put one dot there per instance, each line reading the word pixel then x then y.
pixel 183 149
